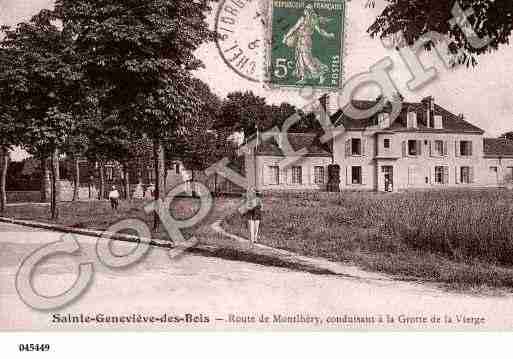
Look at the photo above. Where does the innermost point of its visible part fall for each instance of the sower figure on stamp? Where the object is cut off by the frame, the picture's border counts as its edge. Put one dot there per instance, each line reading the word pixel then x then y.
pixel 253 212
pixel 300 37
pixel 114 198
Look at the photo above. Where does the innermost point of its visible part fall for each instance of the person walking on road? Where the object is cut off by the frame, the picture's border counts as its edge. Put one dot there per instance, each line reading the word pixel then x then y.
pixel 114 198
pixel 253 213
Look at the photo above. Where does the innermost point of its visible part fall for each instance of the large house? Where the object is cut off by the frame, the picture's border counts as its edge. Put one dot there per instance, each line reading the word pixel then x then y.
pixel 425 147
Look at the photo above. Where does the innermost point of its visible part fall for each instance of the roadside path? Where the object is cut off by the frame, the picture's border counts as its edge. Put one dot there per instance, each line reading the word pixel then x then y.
pixel 223 289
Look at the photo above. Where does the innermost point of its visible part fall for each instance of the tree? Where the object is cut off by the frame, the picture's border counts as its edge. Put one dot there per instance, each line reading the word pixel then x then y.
pixel 203 144
pixel 142 53
pixel 45 85
pixel 243 111
pixel 10 130
pixel 415 18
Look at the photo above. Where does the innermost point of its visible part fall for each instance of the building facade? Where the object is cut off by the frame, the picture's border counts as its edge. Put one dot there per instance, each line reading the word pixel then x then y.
pixel 425 147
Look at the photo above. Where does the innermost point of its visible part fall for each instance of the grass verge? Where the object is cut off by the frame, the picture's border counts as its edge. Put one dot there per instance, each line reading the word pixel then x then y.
pixel 463 239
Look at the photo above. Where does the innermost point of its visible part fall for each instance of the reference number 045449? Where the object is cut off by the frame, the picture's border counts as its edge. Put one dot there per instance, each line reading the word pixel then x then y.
pixel 33 347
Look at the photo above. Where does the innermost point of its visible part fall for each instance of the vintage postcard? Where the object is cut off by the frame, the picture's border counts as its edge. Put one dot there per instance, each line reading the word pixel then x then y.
pixel 255 165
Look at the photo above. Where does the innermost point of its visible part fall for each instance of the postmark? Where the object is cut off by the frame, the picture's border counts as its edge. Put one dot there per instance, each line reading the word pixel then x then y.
pixel 306 47
pixel 240 25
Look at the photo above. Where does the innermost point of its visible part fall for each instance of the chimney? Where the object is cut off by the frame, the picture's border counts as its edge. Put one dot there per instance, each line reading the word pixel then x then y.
pixel 429 104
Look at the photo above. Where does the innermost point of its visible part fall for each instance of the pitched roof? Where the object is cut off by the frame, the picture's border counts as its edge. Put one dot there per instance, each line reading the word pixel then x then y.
pixel 451 122
pixel 498 147
pixel 298 141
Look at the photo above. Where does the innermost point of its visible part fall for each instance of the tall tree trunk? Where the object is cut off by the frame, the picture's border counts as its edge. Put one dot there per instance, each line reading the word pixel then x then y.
pixel 158 156
pixel 102 182
pixel 55 185
pixel 46 187
pixel 215 184
pixel 76 186
pixel 193 187
pixel 3 180
pixel 127 182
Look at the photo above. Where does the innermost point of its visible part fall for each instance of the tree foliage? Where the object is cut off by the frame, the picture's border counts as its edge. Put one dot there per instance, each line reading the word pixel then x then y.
pixel 44 84
pixel 415 18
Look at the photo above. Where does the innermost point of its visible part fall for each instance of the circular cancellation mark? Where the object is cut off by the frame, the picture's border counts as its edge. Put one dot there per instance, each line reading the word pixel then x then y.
pixel 239 24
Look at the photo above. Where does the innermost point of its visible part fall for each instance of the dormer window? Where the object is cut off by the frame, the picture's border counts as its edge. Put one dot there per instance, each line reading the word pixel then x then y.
pixel 384 120
pixel 412 120
pixel 438 122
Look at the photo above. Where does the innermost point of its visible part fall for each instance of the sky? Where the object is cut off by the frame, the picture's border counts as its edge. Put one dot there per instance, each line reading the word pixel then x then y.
pixel 484 94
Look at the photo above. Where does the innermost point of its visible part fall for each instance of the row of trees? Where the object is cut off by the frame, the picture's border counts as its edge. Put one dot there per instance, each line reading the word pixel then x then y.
pixel 92 77
pixel 105 80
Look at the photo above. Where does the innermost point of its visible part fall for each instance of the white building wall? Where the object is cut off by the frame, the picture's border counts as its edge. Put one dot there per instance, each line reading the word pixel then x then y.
pixel 419 171
pixel 307 164
pixel 410 172
pixel 414 171
pixel 346 161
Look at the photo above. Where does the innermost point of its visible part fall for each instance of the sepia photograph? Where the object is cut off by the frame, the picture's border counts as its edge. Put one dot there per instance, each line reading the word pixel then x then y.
pixel 255 165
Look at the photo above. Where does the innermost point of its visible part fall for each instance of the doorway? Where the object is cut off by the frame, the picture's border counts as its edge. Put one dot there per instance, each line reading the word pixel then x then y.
pixel 388 178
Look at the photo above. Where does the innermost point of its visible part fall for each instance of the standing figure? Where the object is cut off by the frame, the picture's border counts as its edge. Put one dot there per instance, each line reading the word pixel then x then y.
pixel 114 198
pixel 253 213
pixel 307 66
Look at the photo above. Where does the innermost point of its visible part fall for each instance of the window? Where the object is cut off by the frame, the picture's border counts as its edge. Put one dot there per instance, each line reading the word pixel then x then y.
pixel 319 175
pixel 411 175
pixel 439 148
pixel 356 147
pixel 414 147
pixel 465 148
pixel 384 120
pixel 297 175
pixel 438 122
pixel 151 175
pixel 177 168
pixel 441 175
pixel 509 174
pixel 274 175
pixel 386 143
pixel 412 120
pixel 465 175
pixel 356 175
pixel 493 169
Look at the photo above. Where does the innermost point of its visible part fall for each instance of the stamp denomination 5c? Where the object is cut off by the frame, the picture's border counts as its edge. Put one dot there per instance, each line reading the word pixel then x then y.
pixel 306 47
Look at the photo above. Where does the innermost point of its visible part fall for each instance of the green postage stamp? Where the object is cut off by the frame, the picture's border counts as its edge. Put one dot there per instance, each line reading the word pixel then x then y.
pixel 306 43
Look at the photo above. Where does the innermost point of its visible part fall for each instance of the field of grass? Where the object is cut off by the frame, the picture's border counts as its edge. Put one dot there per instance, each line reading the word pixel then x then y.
pixel 460 238
pixel 99 215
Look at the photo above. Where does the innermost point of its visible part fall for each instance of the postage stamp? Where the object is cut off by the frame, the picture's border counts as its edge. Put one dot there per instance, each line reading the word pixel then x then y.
pixel 306 43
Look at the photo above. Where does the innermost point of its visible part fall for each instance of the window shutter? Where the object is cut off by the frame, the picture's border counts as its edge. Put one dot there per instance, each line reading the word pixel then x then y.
pixel 348 175
pixel 457 174
pixel 446 148
pixel 363 174
pixel 431 148
pixel 419 148
pixel 364 147
pixel 471 174
pixel 446 175
pixel 457 148
pixel 348 148
pixel 471 148
pixel 284 176
pixel 404 148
